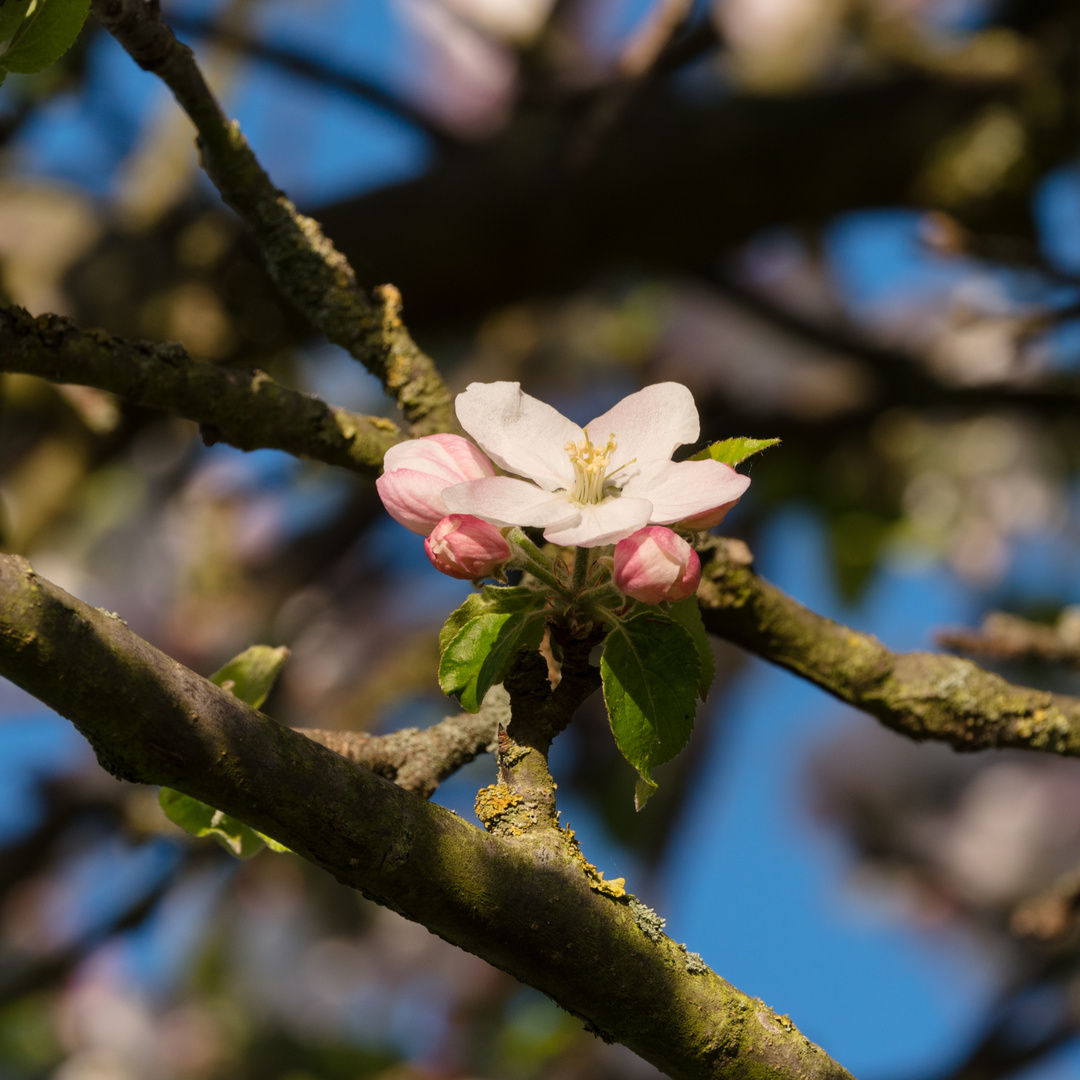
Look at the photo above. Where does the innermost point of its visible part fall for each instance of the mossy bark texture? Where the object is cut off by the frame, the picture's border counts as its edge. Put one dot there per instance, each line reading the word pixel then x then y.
pixel 243 407
pixel 527 907
pixel 921 695
pixel 305 265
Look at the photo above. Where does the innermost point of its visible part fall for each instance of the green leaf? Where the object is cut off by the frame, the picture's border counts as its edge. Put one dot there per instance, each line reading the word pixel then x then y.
pixel 651 673
pixel 732 451
pixel 47 32
pixel 251 675
pixel 482 638
pixel 687 613
pixel 12 14
pixel 474 605
pixel 201 820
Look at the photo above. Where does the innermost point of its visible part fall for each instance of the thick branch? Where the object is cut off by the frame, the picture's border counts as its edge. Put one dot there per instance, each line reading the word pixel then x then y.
pixel 244 408
pixel 921 695
pixel 305 265
pixel 153 721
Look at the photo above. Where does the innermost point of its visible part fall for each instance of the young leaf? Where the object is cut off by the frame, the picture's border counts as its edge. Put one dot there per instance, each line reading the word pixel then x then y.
pixel 651 673
pixel 47 32
pixel 481 652
pixel 201 820
pixel 12 14
pixel 732 451
pixel 474 605
pixel 251 675
pixel 687 613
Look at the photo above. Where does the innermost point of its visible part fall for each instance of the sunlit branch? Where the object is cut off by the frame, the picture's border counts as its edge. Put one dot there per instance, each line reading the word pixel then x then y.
pixel 920 695
pixel 304 264
pixel 243 407
pixel 151 720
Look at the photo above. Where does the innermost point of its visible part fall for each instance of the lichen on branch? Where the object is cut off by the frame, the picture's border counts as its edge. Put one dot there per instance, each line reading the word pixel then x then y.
pixel 151 720
pixel 243 407
pixel 921 695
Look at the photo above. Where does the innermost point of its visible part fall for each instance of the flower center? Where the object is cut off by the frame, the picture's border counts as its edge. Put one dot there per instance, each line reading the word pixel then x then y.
pixel 592 474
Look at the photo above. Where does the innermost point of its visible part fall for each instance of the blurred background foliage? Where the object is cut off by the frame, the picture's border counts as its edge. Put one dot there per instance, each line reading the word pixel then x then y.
pixel 853 224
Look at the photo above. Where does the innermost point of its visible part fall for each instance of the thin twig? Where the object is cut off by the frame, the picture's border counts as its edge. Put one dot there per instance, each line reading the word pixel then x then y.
pixel 419 760
pixel 1008 637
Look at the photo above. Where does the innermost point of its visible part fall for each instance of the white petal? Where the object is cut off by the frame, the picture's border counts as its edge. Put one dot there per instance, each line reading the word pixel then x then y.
pixel 686 488
pixel 650 424
pixel 502 500
pixel 520 433
pixel 602 523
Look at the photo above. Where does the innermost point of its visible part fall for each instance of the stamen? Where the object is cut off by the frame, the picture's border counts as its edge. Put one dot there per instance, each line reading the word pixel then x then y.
pixel 592 477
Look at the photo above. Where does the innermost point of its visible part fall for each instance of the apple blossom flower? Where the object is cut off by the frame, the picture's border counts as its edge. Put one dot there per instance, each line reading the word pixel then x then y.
pixel 466 547
pixel 656 564
pixel 416 473
pixel 593 486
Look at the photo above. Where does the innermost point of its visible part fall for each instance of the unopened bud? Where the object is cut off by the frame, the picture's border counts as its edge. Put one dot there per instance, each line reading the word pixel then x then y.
pixel 656 564
pixel 416 473
pixel 463 546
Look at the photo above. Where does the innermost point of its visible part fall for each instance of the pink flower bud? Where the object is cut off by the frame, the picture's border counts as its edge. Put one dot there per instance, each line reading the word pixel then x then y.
pixel 708 518
pixel 463 546
pixel 655 564
pixel 416 473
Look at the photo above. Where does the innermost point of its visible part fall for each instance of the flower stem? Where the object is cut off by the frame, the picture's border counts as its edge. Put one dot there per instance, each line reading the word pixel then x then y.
pixel 532 559
pixel 582 560
pixel 604 596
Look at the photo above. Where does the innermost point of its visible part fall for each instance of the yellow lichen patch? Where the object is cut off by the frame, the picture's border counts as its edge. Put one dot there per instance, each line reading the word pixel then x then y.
pixel 502 811
pixel 616 888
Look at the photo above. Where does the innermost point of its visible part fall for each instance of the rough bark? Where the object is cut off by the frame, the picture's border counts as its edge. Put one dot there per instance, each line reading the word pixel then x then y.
pixel 523 904
pixel 303 262
pixel 920 695
pixel 245 408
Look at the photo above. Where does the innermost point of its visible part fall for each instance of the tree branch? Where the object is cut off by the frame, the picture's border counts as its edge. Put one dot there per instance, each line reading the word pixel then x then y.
pixel 153 721
pixel 304 264
pixel 1008 637
pixel 920 695
pixel 242 407
pixel 419 760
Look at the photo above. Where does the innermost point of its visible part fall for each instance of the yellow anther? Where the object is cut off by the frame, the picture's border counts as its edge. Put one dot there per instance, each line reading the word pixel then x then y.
pixel 592 476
